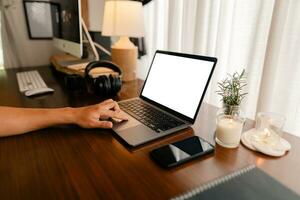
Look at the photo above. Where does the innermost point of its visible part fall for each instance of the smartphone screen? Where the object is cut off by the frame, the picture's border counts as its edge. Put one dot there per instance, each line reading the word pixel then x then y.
pixel 181 151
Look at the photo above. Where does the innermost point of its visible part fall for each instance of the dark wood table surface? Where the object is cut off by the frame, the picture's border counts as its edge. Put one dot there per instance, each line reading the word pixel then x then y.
pixel 68 162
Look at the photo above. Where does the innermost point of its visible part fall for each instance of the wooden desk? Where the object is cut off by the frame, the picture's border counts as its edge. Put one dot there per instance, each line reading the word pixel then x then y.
pixel 69 162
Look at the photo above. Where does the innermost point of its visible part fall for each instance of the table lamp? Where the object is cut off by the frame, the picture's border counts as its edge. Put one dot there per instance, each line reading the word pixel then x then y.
pixel 124 19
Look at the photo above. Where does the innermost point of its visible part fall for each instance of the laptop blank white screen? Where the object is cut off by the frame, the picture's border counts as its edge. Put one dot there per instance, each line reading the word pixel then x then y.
pixel 177 82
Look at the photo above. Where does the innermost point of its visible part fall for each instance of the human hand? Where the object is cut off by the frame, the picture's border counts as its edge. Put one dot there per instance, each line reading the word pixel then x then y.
pixel 95 116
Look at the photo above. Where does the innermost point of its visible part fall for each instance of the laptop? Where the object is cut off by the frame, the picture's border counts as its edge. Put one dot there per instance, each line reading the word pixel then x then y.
pixel 170 98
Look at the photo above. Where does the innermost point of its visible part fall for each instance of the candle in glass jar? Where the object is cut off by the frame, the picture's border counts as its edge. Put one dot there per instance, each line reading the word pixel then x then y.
pixel 228 133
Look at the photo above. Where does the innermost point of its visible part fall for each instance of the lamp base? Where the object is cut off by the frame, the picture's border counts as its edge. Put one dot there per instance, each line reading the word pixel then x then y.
pixel 126 59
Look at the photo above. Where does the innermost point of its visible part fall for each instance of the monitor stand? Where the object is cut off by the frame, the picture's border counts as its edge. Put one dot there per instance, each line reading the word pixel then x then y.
pixel 89 40
pixel 80 64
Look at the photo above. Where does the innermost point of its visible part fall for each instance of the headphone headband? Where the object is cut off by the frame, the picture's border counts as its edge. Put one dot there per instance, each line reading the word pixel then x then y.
pixel 108 64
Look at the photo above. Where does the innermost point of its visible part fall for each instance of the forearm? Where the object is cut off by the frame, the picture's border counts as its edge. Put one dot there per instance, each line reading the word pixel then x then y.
pixel 15 121
pixel 21 120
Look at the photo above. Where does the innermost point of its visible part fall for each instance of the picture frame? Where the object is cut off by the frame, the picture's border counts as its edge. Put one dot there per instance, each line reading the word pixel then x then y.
pixel 38 19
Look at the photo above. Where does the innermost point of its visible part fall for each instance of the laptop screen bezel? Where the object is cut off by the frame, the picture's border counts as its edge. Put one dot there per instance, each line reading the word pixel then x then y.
pixel 173 112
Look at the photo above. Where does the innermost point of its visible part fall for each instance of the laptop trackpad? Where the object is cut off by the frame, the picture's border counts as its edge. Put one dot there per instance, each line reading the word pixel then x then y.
pixel 137 134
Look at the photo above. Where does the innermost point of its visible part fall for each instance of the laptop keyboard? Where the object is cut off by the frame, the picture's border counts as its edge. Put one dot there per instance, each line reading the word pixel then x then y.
pixel 149 116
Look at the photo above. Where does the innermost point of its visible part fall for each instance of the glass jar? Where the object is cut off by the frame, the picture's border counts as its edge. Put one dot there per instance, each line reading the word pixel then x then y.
pixel 230 122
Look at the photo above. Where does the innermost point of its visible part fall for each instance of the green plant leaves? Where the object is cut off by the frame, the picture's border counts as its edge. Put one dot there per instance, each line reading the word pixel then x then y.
pixel 231 88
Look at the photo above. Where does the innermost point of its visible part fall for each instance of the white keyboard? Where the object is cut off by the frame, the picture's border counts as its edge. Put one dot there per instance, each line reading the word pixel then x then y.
pixel 30 80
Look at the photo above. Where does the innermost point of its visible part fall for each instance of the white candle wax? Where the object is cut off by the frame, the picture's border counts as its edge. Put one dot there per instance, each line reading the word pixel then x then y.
pixel 229 132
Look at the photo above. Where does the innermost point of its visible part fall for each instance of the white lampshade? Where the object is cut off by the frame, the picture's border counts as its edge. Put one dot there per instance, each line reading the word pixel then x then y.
pixel 123 18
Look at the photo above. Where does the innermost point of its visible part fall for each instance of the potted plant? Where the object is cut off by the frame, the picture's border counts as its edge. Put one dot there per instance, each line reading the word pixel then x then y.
pixel 230 120
pixel 231 92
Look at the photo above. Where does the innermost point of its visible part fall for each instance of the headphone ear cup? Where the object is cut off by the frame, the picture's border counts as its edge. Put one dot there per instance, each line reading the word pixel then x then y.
pixel 113 85
pixel 108 86
pixel 118 84
pixel 101 85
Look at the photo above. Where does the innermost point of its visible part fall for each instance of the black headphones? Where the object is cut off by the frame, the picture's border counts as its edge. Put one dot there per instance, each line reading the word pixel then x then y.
pixel 103 84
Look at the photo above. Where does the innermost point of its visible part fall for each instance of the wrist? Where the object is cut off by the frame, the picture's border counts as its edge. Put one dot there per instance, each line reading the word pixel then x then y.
pixel 69 115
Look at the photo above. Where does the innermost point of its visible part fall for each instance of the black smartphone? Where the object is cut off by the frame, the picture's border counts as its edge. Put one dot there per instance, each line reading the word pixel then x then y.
pixel 181 151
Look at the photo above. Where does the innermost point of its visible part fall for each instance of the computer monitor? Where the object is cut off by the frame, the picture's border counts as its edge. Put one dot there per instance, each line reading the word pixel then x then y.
pixel 66 20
